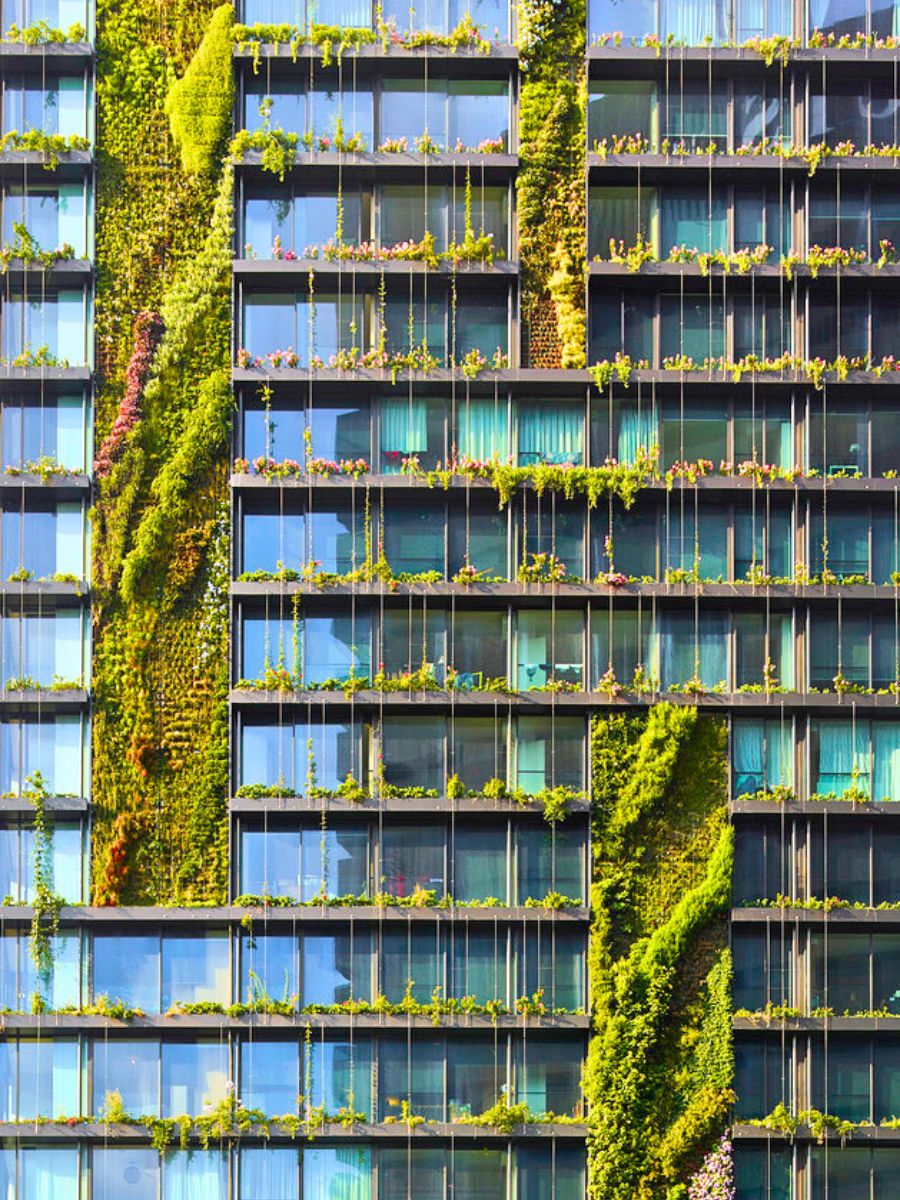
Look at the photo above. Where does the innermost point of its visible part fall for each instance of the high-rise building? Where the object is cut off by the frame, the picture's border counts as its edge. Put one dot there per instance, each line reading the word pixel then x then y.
pixel 450 626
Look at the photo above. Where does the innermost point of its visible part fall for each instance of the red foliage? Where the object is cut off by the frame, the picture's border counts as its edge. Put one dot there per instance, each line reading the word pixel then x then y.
pixel 148 329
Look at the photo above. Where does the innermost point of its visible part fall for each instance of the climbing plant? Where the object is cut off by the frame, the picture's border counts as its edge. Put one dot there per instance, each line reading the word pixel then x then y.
pixel 660 1065
pixel 164 203
pixel 550 183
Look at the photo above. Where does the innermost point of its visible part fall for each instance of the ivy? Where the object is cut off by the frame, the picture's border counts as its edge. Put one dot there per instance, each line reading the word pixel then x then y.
pixel 550 182
pixel 660 1067
pixel 199 104
pixel 160 758
pixel 46 903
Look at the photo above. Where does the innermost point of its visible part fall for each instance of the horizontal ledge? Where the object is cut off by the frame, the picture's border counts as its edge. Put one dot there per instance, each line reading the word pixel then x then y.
pixel 18 806
pixel 705 483
pixel 66 158
pixel 862 918
pixel 47 698
pixel 228 914
pixel 57 483
pixel 376 52
pixel 18 375
pixel 253 269
pixel 769 270
pixel 452 698
pixel 53 1131
pixel 729 55
pixel 778 1025
pixel 532 593
pixel 811 808
pixel 431 806
pixel 381 377
pixel 864 1134
pixel 274 1023
pixel 384 158
pixel 46 589
pixel 739 162
pixel 47 52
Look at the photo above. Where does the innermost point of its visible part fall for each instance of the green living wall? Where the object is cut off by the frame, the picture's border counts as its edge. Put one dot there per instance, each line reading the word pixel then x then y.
pixel 163 405
pixel 660 1062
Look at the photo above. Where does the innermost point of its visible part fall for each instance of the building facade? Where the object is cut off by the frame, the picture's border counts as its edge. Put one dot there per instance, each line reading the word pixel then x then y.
pixel 448 737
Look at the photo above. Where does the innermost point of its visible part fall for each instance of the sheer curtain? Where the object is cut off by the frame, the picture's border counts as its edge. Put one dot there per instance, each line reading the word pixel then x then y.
pixel 841 751
pixel 638 430
pixel 194 1175
pixel 344 1173
pixel 268 1174
pixel 403 430
pixel 690 219
pixel 551 432
pixel 886 739
pixel 53 1174
pixel 483 429
pixel 748 743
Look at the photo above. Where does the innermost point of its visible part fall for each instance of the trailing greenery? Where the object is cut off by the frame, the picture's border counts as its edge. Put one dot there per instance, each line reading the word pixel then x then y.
pixel 45 902
pixel 199 104
pixel 550 182
pixel 164 201
pixel 660 1065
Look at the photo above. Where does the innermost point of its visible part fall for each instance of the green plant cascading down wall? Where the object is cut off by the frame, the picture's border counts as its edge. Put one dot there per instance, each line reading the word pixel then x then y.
pixel 162 402
pixel 550 184
pixel 660 1063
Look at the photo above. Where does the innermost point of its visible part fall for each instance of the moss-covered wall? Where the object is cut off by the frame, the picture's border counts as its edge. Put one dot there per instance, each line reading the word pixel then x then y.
pixel 162 415
pixel 660 1062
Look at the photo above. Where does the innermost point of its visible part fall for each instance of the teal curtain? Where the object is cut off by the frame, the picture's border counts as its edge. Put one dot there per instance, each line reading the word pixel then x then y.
pixel 344 1173
pixel 840 753
pixel 692 219
pixel 886 741
pixel 403 428
pixel 748 740
pixel 638 429
pixel 552 433
pixel 483 429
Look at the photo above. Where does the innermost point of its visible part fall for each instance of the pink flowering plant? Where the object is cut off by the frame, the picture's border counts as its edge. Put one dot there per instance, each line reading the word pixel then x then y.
pixel 715 1179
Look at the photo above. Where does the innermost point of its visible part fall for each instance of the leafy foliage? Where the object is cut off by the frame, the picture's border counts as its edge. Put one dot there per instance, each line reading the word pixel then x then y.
pixel 160 525
pixel 199 104
pixel 660 1065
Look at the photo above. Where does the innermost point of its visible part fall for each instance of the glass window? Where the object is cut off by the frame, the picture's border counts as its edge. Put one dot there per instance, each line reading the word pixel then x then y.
pixel 411 1070
pixel 479 1174
pixel 194 1075
pixel 550 648
pixel 335 967
pixel 342 1076
pixel 408 1172
pixel 476 1077
pixel 549 858
pixel 412 859
pixel 269 965
pixel 549 1076
pixel 270 1075
pixel 49 1172
pixel 479 750
pixel 412 962
pixel 269 1174
pixel 126 969
pixel 195 968
pixel 413 749
pixel 124 1174
pixel 337 1171
pixel 479 857
pixel 195 1175
pixel 542 1172
pixel 550 431
pixel 618 214
pixel 334 862
pixel 549 754
pixel 411 427
pixel 130 1068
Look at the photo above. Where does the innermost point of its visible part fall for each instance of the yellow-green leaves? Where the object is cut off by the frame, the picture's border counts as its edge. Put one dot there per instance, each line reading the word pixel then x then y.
pixel 199 104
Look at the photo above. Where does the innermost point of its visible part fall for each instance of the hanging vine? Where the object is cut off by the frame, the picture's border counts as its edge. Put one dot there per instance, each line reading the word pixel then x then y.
pixel 164 202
